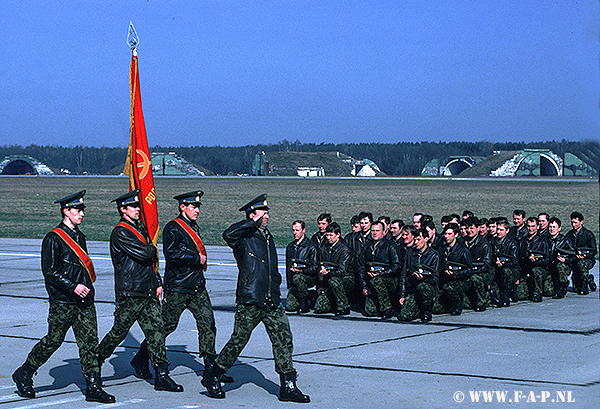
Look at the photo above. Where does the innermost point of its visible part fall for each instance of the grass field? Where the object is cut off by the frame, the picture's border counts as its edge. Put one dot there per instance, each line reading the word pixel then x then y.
pixel 27 208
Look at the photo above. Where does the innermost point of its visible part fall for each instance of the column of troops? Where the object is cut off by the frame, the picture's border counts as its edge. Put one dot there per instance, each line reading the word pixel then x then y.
pixel 156 305
pixel 391 269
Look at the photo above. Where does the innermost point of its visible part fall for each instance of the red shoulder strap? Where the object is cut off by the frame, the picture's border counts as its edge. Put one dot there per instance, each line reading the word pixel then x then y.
pixel 195 238
pixel 83 257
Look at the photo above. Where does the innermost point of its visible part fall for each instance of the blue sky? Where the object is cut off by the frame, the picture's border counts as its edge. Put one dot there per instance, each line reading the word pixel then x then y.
pixel 246 72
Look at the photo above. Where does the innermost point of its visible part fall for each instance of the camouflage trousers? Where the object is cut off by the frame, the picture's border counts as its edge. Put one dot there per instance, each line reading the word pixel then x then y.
pixel 201 308
pixel 581 271
pixel 479 294
pixel 335 296
pixel 276 323
pixel 299 290
pixel 61 317
pixel 451 296
pixel 505 278
pixel 381 290
pixel 536 281
pixel 560 274
pixel 418 302
pixel 147 313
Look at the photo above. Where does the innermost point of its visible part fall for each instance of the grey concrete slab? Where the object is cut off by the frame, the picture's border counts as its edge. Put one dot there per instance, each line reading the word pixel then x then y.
pixel 529 354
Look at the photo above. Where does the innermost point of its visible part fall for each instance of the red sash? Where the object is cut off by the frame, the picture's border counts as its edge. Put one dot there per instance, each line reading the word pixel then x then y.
pixel 141 238
pixel 195 238
pixel 83 257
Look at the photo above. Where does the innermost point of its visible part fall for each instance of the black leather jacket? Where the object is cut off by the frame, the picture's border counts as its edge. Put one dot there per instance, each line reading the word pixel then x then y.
pixel 537 244
pixel 481 255
pixel 560 242
pixel 133 262
pixel 383 251
pixel 62 269
pixel 584 239
pixel 507 249
pixel 414 258
pixel 183 271
pixel 256 256
pixel 340 255
pixel 305 251
pixel 456 254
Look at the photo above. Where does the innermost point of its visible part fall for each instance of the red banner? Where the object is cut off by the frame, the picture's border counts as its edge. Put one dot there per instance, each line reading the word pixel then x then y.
pixel 138 164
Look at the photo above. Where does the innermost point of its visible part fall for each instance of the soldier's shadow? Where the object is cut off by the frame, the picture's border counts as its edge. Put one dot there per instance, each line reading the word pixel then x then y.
pixel 120 361
pixel 65 375
pixel 243 374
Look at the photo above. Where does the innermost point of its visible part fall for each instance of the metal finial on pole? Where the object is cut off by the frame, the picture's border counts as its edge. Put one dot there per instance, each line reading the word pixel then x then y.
pixel 132 37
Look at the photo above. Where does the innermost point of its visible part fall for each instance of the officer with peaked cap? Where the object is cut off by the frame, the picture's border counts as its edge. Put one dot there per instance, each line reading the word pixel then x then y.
pixel 258 300
pixel 185 285
pixel 138 288
pixel 69 276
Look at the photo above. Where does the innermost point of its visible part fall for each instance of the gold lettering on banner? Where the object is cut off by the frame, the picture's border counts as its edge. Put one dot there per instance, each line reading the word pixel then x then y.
pixel 150 197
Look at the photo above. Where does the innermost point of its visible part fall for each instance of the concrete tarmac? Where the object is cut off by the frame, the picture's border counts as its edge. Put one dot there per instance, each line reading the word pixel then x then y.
pixel 528 355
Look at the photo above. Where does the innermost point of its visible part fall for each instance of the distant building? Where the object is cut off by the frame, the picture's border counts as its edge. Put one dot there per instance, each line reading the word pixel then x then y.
pixel 171 164
pixel 23 165
pixel 307 172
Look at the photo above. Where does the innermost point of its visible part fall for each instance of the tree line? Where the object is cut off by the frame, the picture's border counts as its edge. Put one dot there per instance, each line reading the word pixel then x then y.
pixel 397 159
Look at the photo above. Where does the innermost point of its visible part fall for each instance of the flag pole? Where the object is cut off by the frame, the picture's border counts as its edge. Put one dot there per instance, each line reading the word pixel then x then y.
pixel 138 164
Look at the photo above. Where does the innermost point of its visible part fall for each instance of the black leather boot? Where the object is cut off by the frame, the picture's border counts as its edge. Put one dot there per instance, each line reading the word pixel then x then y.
pixel 94 392
pixel 591 283
pixel 289 392
pixel 210 380
pixel 23 378
pixel 209 360
pixel 141 362
pixel 163 381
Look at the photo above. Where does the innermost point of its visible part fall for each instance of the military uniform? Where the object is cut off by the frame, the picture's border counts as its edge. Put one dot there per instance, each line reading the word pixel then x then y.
pixel 506 275
pixel 299 282
pixel 419 294
pixel 258 300
pixel 65 265
pixel 381 287
pixel 185 284
pixel 534 281
pixel 453 287
pixel 559 270
pixel 338 283
pixel 583 241
pixel 135 259
pixel 483 273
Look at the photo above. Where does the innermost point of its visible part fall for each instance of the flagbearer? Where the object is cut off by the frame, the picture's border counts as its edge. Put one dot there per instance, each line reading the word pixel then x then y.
pixel 69 276
pixel 138 289
pixel 185 285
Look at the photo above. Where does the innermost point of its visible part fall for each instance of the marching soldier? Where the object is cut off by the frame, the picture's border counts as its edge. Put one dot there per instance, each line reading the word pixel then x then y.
pixel 138 289
pixel 69 276
pixel 185 284
pixel 301 269
pixel 584 242
pixel 562 255
pixel 258 300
